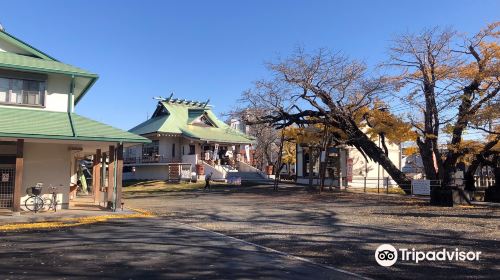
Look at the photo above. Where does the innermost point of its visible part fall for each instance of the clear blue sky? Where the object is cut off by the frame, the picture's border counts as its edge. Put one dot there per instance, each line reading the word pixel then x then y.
pixel 211 49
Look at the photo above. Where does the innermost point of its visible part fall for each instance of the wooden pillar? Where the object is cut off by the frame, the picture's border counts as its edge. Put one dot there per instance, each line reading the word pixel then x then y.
pixel 16 204
pixel 103 179
pixel 96 175
pixel 111 176
pixel 119 175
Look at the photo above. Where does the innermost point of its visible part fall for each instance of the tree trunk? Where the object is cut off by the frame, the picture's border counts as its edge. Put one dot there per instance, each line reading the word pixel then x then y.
pixel 311 167
pixel 362 142
pixel 279 165
pixel 426 153
pixel 469 176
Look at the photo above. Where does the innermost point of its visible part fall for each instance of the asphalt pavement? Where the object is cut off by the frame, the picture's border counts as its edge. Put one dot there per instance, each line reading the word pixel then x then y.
pixel 147 248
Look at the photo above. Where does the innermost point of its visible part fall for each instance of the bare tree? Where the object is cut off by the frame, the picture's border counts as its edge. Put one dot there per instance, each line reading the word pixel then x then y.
pixel 266 137
pixel 324 88
pixel 447 83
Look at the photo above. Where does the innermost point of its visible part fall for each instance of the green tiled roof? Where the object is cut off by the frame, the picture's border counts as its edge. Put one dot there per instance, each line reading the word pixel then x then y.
pixel 24 46
pixel 24 62
pixel 179 119
pixel 30 59
pixel 42 124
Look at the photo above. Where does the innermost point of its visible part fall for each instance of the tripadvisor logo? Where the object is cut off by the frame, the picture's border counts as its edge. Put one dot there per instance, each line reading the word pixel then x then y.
pixel 387 255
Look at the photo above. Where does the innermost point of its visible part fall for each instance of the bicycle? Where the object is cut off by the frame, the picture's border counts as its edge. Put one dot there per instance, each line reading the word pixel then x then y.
pixel 51 202
pixel 35 202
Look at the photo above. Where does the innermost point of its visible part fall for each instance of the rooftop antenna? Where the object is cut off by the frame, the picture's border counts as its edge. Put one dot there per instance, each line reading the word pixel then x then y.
pixel 206 103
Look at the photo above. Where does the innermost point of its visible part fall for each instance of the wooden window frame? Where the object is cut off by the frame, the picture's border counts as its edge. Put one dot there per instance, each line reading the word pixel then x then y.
pixel 42 94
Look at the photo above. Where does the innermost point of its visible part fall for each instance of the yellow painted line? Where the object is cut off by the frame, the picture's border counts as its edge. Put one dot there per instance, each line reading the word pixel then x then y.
pixel 71 222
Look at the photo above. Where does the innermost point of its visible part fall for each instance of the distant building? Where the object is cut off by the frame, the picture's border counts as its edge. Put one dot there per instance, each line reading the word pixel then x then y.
pixel 186 134
pixel 347 162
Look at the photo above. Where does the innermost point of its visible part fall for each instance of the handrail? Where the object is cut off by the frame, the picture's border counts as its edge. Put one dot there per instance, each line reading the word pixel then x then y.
pixel 147 159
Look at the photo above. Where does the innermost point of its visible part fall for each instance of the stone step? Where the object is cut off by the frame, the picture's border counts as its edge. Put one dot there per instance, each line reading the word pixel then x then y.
pixel 247 176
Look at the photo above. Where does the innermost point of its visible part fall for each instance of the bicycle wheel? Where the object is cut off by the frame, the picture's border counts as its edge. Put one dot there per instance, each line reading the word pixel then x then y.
pixel 47 203
pixel 34 203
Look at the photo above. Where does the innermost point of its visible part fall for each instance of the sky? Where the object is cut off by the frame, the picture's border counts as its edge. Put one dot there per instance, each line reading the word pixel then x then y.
pixel 213 50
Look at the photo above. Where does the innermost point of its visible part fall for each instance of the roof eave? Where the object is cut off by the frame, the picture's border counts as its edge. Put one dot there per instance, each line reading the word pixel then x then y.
pixel 77 138
pixel 27 47
pixel 50 71
pixel 220 141
pixel 86 89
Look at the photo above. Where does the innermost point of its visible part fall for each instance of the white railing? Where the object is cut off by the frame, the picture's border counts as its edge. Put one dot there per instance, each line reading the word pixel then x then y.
pixel 146 159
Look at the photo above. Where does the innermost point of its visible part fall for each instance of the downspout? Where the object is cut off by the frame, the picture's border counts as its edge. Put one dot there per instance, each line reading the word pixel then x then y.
pixel 70 104
pixel 115 181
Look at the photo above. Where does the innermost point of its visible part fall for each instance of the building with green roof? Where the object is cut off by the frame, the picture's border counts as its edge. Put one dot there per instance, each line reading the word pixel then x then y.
pixel 186 132
pixel 42 139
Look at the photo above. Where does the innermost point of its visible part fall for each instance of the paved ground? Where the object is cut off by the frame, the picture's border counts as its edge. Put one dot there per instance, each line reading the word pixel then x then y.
pixel 340 229
pixel 148 248
pixel 81 207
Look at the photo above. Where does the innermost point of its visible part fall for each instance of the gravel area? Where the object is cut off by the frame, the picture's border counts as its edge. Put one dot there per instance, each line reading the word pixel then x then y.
pixel 341 229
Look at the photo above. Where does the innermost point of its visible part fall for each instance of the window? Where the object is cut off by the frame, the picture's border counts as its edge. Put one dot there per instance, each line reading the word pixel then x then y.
pixel 201 120
pixel 191 150
pixel 173 150
pixel 206 121
pixel 26 92
pixel 4 89
pixel 150 149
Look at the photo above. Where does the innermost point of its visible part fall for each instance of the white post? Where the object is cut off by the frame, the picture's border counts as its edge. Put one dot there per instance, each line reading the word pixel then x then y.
pixel 340 180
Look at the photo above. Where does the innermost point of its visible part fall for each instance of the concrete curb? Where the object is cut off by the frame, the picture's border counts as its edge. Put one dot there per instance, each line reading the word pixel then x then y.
pixel 65 222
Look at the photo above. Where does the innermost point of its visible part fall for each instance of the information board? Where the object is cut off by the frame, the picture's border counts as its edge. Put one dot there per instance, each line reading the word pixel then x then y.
pixel 421 187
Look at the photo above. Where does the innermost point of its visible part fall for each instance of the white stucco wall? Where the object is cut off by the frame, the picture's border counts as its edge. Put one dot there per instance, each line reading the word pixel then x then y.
pixel 47 164
pixel 56 98
pixel 150 172
pixel 165 148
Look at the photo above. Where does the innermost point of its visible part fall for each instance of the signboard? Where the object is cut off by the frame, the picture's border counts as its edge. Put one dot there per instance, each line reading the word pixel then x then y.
pixel 216 152
pixel 5 177
pixel 421 187
pixel 333 152
pixel 186 174
pixel 350 164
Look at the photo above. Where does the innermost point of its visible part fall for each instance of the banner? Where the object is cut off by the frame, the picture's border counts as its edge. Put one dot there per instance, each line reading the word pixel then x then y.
pixel 247 152
pixel 349 169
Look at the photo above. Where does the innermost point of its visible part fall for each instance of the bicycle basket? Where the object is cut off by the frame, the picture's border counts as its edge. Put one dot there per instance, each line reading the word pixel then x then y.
pixel 37 190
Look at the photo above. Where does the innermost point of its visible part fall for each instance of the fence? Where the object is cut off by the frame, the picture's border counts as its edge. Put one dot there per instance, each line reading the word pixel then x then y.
pixel 378 184
pixel 179 171
pixel 7 178
pixel 387 185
